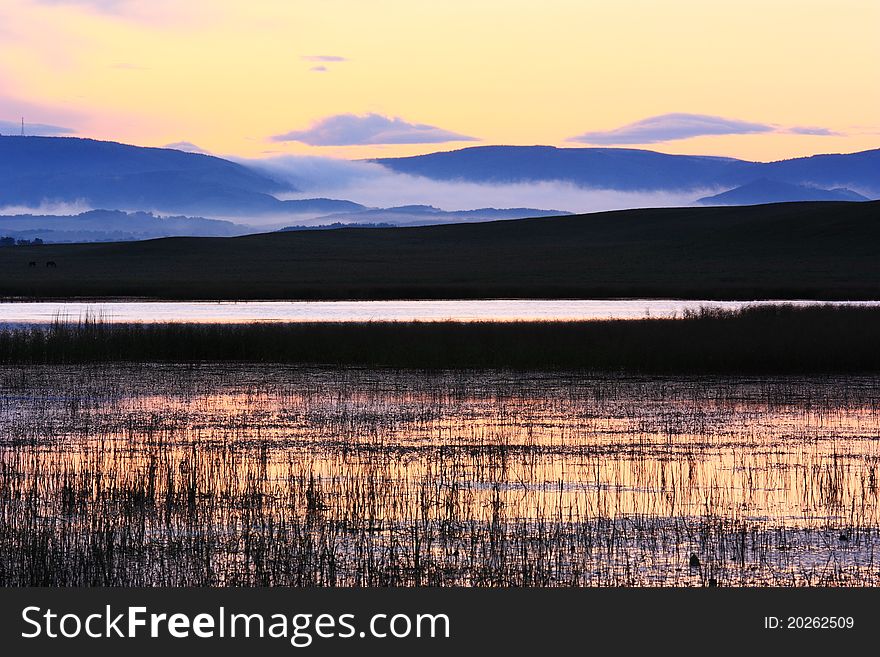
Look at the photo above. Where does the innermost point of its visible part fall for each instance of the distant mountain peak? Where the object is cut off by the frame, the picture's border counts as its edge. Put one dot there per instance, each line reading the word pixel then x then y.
pixel 766 190
pixel 413 208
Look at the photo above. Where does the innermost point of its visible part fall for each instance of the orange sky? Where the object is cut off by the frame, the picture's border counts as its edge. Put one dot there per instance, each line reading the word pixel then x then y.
pixel 227 75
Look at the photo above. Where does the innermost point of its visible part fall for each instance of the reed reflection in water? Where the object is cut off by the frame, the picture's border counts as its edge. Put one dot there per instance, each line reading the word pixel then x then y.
pixel 269 475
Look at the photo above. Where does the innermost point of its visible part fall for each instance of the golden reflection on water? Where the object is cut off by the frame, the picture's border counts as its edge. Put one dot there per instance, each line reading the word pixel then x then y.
pixel 588 479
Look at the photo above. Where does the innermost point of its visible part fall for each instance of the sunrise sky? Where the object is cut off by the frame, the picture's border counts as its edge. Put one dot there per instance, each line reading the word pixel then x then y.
pixel 756 79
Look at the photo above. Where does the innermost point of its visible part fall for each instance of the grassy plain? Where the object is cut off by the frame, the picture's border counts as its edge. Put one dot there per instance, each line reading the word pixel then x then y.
pixel 790 250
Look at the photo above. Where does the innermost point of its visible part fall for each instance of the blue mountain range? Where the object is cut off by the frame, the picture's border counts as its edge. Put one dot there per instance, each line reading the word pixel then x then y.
pixel 102 174
pixel 108 175
pixel 638 170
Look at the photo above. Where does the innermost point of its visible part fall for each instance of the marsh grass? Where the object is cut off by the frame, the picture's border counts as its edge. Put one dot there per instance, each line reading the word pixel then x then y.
pixel 260 475
pixel 767 339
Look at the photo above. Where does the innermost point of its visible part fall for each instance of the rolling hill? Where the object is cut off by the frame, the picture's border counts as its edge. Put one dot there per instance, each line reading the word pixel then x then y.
pixel 44 170
pixel 113 225
pixel 607 168
pixel 633 169
pixel 820 250
pixel 427 215
pixel 773 191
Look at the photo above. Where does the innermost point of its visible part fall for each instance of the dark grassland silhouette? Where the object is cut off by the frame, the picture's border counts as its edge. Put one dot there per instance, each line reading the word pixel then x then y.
pixel 774 339
pixel 789 250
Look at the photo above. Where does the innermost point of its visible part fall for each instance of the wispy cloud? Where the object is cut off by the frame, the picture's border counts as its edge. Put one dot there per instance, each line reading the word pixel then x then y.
pixel 46 207
pixel 321 61
pixel 680 125
pixel 103 6
pixel 353 129
pixel 34 129
pixel 186 146
pixel 324 58
pixel 153 13
pixel 669 127
pixel 807 130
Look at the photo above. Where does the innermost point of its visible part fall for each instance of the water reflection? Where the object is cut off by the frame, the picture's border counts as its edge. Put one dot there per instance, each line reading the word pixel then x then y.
pixel 28 313
pixel 271 475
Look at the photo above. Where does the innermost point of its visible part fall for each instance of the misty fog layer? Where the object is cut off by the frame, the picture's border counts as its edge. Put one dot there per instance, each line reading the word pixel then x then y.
pixel 376 186
pixel 48 207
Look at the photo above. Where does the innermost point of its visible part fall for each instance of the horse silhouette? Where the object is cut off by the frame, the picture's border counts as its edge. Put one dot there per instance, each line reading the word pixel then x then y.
pixel 32 264
pixel 51 263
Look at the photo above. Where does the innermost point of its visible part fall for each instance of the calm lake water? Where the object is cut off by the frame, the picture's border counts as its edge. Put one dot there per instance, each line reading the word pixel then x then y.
pixel 261 475
pixel 379 311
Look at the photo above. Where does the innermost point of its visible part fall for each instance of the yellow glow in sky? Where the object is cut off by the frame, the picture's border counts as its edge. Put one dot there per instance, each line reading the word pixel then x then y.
pixel 228 74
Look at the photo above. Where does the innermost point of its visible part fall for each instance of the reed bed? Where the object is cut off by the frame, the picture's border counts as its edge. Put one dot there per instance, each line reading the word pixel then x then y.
pixel 219 474
pixel 780 339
